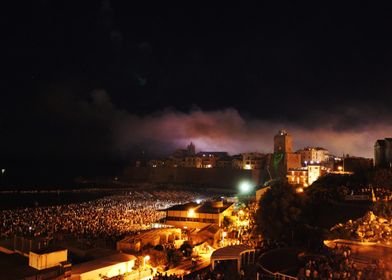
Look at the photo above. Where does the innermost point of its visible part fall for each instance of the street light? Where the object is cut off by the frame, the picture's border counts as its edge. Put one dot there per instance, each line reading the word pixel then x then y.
pixel 245 187
pixel 145 259
pixel 191 213
pixel 340 168
pixel 224 234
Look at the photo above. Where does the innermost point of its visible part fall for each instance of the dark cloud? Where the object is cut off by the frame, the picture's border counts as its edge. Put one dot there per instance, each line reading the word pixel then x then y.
pixel 90 127
pixel 323 76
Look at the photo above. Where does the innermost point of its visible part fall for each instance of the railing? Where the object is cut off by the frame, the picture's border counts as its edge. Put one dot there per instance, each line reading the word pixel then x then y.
pixel 276 275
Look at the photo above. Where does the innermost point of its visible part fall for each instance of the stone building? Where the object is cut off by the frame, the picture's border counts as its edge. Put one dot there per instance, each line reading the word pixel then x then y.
pixel 283 158
pixel 383 153
pixel 313 155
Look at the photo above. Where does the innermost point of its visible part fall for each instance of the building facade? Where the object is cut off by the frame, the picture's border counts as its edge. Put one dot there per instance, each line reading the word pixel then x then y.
pixel 383 153
pixel 283 159
pixel 252 160
pixel 198 216
pixel 352 164
pixel 313 155
pixel 307 175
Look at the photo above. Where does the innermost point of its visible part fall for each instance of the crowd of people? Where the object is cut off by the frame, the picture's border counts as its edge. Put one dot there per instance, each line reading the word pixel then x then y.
pixel 164 276
pixel 109 217
pixel 338 263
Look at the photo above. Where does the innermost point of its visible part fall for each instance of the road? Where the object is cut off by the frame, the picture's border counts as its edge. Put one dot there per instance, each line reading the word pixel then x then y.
pixel 186 267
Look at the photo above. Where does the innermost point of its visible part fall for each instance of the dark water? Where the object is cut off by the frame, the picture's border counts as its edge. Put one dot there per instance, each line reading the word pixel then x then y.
pixel 23 200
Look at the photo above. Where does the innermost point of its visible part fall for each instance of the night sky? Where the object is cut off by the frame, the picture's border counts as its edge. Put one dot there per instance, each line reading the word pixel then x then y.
pixel 94 83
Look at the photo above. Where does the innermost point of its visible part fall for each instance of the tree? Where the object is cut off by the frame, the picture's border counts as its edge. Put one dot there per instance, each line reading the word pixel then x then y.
pixel 331 187
pixel 186 248
pixel 227 222
pixel 281 212
pixel 174 257
pixel 382 178
pixel 159 247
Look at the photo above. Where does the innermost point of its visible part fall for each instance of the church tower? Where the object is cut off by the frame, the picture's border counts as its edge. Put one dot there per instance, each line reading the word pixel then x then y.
pixel 191 149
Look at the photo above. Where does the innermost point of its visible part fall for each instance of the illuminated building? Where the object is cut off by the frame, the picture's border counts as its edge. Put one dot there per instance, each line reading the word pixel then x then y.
pixel 192 215
pixel 236 162
pixel 314 172
pixel 46 258
pixel 305 176
pixel 313 155
pixel 283 158
pixel 153 237
pixel 109 266
pixel 252 160
pixel 193 162
pixel 209 159
pixel 298 176
pixel 383 153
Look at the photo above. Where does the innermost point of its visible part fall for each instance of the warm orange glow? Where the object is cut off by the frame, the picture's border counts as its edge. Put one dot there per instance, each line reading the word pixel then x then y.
pixel 191 212
pixel 299 190
pixel 247 166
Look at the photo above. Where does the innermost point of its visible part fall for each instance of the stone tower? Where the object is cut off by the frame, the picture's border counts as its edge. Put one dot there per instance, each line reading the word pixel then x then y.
pixel 283 142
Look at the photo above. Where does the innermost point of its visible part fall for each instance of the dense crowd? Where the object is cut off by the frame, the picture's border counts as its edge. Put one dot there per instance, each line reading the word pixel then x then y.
pixel 164 276
pixel 111 216
pixel 338 264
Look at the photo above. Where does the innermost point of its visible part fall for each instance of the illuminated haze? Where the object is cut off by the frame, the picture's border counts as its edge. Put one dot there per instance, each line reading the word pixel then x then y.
pixel 92 126
pixel 227 130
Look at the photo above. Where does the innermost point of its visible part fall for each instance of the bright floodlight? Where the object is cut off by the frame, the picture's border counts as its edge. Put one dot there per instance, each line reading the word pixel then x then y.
pixel 245 187
pixel 198 201
pixel 191 212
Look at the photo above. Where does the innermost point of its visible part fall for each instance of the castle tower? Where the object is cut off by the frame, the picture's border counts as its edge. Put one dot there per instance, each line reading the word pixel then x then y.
pixel 283 158
pixel 283 142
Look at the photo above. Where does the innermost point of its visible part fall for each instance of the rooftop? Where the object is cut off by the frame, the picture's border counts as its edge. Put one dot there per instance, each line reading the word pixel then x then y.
pixel 206 207
pixel 216 154
pixel 230 251
pixel 102 262
pixel 150 234
pixel 47 250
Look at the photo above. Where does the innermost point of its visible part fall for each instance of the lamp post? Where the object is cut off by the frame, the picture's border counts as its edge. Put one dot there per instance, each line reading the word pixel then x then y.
pixel 145 259
pixel 224 234
pixel 245 187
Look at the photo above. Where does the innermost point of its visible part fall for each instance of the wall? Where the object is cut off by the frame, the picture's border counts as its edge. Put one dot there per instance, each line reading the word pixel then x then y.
pixel 108 271
pixel 43 261
pixel 293 161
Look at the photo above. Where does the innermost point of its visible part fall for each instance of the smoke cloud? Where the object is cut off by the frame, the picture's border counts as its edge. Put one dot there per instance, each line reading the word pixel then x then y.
pixel 68 126
pixel 227 130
